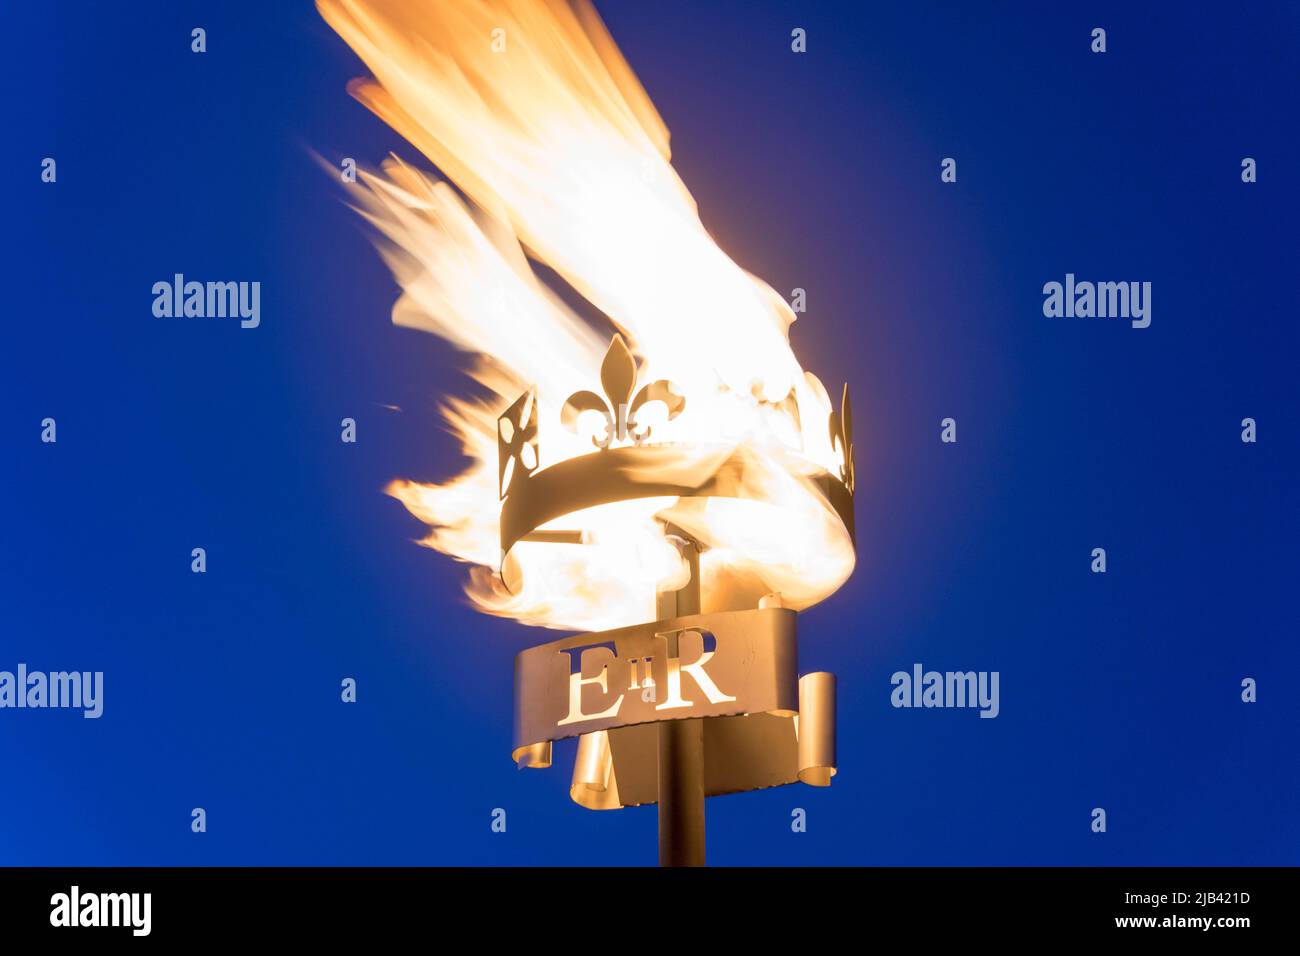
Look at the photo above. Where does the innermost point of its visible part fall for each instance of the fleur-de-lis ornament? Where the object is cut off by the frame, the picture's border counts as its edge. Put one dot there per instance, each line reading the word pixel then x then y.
pixel 619 406
pixel 517 440
pixel 841 427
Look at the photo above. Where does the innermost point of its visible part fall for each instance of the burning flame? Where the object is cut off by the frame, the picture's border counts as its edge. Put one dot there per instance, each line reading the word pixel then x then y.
pixel 530 109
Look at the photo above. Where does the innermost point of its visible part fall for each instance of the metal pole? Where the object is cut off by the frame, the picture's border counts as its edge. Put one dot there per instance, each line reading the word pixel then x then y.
pixel 681 743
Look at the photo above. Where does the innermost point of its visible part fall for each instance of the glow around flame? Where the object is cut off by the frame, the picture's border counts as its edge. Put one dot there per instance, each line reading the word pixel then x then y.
pixel 530 109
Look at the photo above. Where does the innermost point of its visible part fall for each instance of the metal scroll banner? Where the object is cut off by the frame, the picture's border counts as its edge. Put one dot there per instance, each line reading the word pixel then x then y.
pixel 767 725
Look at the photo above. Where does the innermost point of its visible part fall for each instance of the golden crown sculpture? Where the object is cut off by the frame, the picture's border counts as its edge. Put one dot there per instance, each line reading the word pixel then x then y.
pixel 690 705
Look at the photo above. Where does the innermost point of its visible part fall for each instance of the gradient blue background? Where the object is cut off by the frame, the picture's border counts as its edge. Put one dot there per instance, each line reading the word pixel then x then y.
pixel 819 171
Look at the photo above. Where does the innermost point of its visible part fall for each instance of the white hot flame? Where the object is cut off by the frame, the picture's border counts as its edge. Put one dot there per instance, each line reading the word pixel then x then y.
pixel 530 109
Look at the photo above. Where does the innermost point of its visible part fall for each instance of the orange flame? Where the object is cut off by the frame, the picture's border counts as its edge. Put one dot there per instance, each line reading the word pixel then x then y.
pixel 531 110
